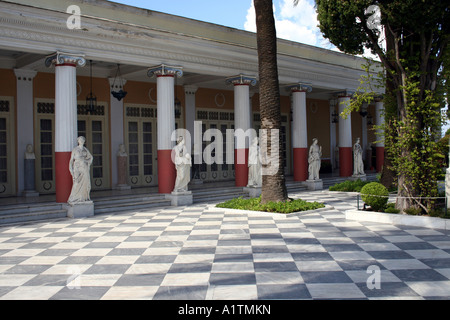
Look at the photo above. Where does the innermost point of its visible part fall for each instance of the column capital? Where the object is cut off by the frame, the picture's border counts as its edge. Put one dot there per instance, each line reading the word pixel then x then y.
pixel 189 89
pixel 347 93
pixel 241 80
pixel 165 71
pixel 25 74
pixel 65 58
pixel 300 87
pixel 379 98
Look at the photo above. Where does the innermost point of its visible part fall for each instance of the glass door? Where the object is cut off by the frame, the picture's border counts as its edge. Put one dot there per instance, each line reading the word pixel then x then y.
pixel 7 158
pixel 142 152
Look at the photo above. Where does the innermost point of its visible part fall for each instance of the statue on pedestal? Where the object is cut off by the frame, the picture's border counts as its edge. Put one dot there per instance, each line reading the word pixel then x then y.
pixel 358 163
pixel 183 163
pixel 29 172
pixel 314 160
pixel 79 166
pixel 254 165
pixel 122 158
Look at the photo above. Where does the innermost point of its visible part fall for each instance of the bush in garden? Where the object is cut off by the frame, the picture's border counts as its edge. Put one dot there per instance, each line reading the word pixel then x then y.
pixel 375 195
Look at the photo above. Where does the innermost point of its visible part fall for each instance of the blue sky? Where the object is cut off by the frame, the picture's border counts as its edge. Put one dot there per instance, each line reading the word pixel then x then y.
pixel 231 13
pixel 293 23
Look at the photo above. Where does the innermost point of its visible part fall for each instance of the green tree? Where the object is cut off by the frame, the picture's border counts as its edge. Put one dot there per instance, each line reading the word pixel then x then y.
pixel 273 185
pixel 415 62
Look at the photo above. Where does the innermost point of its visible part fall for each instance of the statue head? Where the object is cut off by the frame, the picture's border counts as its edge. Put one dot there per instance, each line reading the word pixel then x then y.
pixel 81 140
pixel 29 148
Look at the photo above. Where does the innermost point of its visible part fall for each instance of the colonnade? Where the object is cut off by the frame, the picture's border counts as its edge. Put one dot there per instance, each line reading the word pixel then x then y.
pixel 66 123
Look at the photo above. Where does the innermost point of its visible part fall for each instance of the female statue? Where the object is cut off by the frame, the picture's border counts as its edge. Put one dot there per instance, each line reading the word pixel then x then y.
pixel 79 167
pixel 254 165
pixel 358 159
pixel 182 160
pixel 314 160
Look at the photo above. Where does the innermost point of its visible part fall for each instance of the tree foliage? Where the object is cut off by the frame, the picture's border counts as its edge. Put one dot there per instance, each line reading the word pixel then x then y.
pixel 411 38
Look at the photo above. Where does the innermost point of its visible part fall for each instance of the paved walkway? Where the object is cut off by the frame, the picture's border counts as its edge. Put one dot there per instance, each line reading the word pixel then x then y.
pixel 204 253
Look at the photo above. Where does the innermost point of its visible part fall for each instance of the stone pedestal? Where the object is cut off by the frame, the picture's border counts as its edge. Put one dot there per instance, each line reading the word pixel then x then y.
pixel 361 177
pixel 29 179
pixel 314 185
pixel 122 173
pixel 180 198
pixel 80 210
pixel 253 192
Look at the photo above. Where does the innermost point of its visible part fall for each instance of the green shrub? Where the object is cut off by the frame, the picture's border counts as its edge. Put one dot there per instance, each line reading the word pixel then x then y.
pixel 375 195
pixel 254 204
pixel 413 211
pixel 349 186
pixel 390 208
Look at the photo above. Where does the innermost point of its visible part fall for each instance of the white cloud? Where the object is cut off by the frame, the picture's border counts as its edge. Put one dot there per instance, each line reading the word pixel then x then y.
pixel 297 24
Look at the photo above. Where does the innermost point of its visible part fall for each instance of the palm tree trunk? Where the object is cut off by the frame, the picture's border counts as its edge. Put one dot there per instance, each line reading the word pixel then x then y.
pixel 274 185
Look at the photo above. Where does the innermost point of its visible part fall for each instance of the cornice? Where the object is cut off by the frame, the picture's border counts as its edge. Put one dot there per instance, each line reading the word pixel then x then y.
pixel 134 46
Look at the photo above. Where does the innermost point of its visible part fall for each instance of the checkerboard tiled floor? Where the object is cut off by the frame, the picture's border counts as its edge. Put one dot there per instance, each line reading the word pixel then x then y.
pixel 204 253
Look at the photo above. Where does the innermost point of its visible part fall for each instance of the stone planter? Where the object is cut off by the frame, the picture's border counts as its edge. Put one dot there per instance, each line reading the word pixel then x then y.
pixel 398 219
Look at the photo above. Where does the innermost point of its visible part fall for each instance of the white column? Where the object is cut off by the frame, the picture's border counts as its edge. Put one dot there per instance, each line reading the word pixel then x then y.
pixel 300 131
pixel 333 156
pixel 117 123
pixel 66 130
pixel 345 136
pixel 242 121
pixel 190 92
pixel 364 129
pixel 25 134
pixel 166 123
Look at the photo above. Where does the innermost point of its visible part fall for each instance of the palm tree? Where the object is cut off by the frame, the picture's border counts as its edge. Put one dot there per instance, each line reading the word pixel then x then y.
pixel 273 185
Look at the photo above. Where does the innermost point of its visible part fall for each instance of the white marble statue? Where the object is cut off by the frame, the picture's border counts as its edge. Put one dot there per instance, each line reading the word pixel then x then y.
pixel 183 163
pixel 254 165
pixel 122 152
pixel 314 160
pixel 79 166
pixel 358 163
pixel 29 153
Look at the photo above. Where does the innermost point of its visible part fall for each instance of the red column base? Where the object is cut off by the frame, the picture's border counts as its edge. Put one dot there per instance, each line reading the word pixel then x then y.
pixel 167 173
pixel 380 158
pixel 300 164
pixel 241 167
pixel 345 162
pixel 63 178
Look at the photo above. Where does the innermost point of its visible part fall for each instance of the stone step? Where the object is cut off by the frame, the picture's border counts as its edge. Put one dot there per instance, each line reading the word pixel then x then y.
pixel 29 208
pixel 217 194
pixel 25 217
pixel 127 199
pixel 129 203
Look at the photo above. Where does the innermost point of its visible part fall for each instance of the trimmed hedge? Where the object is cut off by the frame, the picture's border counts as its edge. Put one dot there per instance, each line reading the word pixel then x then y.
pixel 349 186
pixel 254 204
pixel 375 195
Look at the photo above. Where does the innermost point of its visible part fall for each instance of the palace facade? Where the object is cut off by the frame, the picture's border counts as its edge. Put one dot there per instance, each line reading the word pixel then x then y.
pixel 175 71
